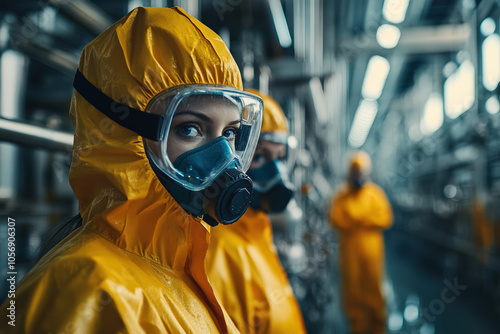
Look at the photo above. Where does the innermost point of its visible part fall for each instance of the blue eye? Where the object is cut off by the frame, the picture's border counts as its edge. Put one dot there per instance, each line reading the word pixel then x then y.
pixel 230 133
pixel 189 131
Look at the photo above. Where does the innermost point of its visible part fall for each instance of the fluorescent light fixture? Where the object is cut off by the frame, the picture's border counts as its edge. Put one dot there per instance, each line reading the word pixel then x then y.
pixel 395 10
pixel 488 26
pixel 376 74
pixel 280 23
pixel 492 105
pixel 490 51
pixel 388 36
pixel 362 123
pixel 433 114
pixel 459 90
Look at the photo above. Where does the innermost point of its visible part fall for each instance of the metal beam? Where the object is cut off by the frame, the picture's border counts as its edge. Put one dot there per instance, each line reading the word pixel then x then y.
pixel 419 40
pixel 61 60
pixel 85 13
pixel 35 136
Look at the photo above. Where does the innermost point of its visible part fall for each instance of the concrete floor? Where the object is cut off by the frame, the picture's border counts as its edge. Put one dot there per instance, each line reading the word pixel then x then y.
pixel 417 273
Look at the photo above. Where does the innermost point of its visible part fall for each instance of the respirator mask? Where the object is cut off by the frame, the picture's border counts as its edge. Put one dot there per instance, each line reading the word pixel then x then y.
pixel 272 189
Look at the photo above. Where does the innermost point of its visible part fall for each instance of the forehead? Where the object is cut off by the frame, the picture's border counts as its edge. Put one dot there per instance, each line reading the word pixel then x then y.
pixel 211 105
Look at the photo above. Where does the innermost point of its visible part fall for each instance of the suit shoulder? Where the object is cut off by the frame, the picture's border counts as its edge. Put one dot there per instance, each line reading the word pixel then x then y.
pixel 375 188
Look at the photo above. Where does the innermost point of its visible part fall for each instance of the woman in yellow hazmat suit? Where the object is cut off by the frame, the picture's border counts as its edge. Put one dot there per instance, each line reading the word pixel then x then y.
pixel 242 264
pixel 359 212
pixel 160 121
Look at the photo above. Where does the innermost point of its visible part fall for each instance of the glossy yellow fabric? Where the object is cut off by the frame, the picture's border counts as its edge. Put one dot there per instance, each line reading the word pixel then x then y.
pixel 248 279
pixel 137 264
pixel 483 230
pixel 359 216
pixel 273 119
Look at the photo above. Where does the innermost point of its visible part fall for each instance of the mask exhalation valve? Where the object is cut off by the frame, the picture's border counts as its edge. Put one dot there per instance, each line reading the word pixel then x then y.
pixel 227 199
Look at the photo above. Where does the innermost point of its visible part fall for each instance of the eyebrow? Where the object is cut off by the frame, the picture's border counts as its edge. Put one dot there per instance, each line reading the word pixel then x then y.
pixel 238 121
pixel 196 114
pixel 202 116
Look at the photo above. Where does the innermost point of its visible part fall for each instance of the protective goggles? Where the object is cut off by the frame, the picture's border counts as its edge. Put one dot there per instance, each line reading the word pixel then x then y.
pixel 179 122
pixel 290 143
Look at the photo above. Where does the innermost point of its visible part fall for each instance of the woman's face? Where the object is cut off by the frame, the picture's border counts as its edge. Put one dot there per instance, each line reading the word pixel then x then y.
pixel 267 151
pixel 199 121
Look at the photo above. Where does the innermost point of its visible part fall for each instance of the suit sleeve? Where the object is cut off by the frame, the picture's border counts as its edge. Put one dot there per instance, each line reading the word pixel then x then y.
pixel 380 215
pixel 338 215
pixel 52 301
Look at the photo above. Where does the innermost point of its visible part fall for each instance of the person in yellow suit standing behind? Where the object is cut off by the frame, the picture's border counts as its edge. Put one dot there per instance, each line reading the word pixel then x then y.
pixel 242 264
pixel 359 212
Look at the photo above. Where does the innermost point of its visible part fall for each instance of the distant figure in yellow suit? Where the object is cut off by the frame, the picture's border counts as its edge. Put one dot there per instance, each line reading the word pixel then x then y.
pixel 242 264
pixel 360 212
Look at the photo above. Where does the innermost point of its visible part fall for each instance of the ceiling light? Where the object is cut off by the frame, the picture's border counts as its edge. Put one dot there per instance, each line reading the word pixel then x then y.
pixel 492 105
pixel 433 114
pixel 459 90
pixel 487 27
pixel 362 123
pixel 490 51
pixel 395 10
pixel 376 74
pixel 388 36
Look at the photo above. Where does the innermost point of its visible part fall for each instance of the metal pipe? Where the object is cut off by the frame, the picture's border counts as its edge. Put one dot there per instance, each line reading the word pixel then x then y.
pixel 58 59
pixel 84 13
pixel 417 40
pixel 35 136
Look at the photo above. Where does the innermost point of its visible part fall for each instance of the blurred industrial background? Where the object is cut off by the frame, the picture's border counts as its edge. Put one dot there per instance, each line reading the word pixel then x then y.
pixel 413 83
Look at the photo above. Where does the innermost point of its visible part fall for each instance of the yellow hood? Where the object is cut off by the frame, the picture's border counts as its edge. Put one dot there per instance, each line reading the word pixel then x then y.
pixel 273 118
pixel 361 160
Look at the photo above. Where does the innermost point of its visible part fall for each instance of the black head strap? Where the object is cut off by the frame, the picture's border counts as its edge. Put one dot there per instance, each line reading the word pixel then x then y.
pixel 144 124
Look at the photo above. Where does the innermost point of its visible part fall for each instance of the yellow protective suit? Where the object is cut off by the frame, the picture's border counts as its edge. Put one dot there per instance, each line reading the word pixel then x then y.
pixel 137 263
pixel 359 216
pixel 244 268
pixel 248 279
